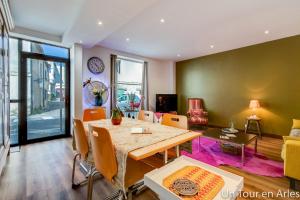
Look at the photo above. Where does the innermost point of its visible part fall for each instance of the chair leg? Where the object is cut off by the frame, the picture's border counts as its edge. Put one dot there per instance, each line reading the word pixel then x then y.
pixel 76 185
pixel 90 184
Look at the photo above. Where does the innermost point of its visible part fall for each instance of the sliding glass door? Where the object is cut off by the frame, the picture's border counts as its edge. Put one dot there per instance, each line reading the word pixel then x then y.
pixel 45 101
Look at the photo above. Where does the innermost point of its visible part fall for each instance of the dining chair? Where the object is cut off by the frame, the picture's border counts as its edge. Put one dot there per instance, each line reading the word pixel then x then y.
pixel 106 164
pixel 82 149
pixel 146 116
pixel 92 114
pixel 177 121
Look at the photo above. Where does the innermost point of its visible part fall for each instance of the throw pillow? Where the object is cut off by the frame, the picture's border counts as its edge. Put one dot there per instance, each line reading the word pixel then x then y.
pixel 295 132
pixel 296 124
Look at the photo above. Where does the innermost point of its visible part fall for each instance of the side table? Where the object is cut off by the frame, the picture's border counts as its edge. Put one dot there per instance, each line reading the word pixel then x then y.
pixel 256 122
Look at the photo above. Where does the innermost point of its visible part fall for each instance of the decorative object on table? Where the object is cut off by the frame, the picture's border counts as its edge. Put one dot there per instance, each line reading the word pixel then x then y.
pixel 95 65
pixel 254 105
pixel 208 151
pixel 90 88
pixel 230 130
pixel 140 130
pixel 207 183
pixel 196 114
pixel 116 116
pixel 257 127
pixel 185 187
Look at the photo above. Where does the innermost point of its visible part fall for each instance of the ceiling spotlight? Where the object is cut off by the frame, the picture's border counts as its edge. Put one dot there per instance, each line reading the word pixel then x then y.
pixel 267 32
pixel 127 39
pixel 212 46
pixel 80 41
pixel 178 55
pixel 100 23
pixel 162 20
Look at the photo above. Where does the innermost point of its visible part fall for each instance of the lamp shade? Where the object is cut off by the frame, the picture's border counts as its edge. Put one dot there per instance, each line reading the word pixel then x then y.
pixel 254 104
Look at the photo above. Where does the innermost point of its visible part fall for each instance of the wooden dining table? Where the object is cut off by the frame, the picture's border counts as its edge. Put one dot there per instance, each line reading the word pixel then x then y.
pixel 159 138
pixel 152 149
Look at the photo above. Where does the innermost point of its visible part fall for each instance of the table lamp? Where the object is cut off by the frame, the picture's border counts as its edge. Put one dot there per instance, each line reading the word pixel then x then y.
pixel 254 105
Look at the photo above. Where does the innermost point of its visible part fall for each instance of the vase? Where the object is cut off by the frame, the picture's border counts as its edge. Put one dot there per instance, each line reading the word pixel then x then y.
pixel 116 117
pixel 98 101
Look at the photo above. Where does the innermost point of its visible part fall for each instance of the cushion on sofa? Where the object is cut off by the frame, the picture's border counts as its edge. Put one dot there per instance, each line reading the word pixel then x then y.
pixel 295 132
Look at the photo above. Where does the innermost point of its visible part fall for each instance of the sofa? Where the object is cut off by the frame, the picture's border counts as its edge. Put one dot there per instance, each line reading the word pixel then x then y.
pixel 290 154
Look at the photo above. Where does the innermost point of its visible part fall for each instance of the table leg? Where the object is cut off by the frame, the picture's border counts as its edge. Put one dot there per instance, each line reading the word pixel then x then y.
pixel 166 156
pixel 255 145
pixel 177 151
pixel 247 126
pixel 243 154
pixel 259 129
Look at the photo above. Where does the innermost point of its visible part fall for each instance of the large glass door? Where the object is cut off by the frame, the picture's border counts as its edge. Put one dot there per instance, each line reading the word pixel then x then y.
pixel 45 101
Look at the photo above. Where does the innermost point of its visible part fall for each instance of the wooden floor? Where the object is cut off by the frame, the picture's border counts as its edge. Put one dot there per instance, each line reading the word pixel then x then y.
pixel 43 171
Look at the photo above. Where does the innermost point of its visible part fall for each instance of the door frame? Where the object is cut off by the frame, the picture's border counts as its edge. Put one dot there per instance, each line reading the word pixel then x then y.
pixel 23 132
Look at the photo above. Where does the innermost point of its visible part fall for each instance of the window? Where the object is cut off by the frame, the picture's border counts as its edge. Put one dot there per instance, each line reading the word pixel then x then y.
pixel 129 81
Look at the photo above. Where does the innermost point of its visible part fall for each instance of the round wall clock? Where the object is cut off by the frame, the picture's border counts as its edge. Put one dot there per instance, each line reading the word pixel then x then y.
pixel 95 65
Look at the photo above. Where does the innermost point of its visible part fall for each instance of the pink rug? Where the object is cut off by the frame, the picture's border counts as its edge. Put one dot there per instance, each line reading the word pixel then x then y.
pixel 211 153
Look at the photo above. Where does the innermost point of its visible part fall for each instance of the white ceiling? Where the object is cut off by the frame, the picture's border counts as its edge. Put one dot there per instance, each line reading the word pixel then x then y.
pixel 190 27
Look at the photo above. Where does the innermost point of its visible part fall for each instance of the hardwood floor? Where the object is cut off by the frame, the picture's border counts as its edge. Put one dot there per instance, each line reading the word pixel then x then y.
pixel 43 171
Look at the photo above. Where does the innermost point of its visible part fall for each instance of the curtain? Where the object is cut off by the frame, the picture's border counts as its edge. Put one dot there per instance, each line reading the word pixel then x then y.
pixel 145 96
pixel 113 89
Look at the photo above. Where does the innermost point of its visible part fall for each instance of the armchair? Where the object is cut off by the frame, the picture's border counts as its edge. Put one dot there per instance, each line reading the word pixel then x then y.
pixel 290 153
pixel 196 114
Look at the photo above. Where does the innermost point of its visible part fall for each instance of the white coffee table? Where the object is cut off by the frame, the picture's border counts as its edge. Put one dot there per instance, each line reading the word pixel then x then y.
pixel 233 183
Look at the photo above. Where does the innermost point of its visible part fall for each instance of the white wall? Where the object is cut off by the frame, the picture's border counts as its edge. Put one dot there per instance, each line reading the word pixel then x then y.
pixel 161 74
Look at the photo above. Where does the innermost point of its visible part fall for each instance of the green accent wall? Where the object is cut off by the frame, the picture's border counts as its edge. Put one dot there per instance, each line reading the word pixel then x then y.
pixel 269 72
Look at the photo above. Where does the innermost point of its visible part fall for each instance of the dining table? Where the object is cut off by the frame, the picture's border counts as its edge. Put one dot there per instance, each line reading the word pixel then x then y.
pixel 159 138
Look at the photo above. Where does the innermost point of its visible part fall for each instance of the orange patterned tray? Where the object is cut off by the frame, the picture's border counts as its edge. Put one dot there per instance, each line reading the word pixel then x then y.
pixel 209 183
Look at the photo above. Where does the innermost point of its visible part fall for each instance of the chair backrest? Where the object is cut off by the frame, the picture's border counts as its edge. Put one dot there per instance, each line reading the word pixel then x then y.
pixel 81 141
pixel 146 115
pixel 178 121
pixel 103 152
pixel 92 114
pixel 195 103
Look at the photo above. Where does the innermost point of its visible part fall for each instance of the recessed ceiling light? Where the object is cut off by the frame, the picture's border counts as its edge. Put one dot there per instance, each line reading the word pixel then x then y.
pixel 100 23
pixel 267 32
pixel 212 46
pixel 80 41
pixel 127 39
pixel 178 55
pixel 162 20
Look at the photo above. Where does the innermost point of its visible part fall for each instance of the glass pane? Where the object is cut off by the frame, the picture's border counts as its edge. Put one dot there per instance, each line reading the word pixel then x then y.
pixel 14 68
pixel 45 49
pixel 130 72
pixel 45 98
pixel 14 123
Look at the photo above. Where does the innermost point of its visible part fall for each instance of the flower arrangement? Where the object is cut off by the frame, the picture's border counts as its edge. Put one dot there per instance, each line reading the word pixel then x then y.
pixel 98 96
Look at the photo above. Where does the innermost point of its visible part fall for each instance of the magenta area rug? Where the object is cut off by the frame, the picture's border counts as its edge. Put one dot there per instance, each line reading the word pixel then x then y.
pixel 209 151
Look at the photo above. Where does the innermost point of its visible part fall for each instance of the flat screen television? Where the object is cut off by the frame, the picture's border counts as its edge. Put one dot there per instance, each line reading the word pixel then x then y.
pixel 166 103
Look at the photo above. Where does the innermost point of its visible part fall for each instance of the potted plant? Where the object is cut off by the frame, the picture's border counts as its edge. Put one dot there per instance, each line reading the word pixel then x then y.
pixel 131 97
pixel 116 116
pixel 98 96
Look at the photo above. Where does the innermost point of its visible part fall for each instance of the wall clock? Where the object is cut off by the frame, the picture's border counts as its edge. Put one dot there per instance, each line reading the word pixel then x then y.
pixel 95 65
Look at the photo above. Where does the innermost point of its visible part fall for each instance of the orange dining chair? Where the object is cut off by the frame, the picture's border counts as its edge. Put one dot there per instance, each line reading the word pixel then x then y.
pixel 177 121
pixel 146 116
pixel 92 114
pixel 82 149
pixel 106 164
